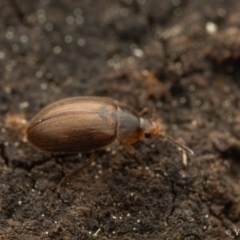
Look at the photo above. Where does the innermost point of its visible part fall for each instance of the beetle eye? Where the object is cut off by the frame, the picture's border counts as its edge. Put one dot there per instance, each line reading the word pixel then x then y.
pixel 147 134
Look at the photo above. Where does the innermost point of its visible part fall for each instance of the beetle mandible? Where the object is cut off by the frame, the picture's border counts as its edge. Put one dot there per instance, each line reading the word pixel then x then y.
pixel 87 124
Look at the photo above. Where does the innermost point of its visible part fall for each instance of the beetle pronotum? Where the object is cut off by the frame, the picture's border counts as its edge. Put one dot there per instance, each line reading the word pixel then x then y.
pixel 87 124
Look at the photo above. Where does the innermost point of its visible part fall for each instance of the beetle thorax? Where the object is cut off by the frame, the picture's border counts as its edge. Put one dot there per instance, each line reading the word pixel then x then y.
pixel 128 125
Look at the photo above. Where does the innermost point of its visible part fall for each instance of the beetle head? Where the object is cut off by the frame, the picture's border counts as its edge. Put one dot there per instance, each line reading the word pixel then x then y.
pixel 150 128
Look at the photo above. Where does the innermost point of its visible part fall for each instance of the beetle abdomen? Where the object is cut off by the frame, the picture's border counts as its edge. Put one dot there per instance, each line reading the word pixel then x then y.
pixel 80 124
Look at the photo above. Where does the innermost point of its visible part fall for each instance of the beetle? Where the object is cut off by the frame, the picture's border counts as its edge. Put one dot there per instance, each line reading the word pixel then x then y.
pixel 87 124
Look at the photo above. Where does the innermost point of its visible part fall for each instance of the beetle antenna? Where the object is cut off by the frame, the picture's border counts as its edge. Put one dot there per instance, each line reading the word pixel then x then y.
pixel 183 147
pixel 153 114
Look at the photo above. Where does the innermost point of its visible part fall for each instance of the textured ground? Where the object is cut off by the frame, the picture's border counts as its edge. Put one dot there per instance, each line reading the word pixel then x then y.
pixel 180 57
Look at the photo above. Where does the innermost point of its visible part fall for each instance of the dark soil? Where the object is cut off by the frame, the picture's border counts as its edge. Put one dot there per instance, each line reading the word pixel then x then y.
pixel 180 57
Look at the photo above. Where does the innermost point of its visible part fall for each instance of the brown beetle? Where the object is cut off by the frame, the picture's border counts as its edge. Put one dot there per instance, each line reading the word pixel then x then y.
pixel 87 124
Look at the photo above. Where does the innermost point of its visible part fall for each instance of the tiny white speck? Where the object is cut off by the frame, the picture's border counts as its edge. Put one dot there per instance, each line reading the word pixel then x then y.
pixel 110 62
pixel 24 38
pixel 69 79
pixel 179 65
pixel 114 217
pixel 113 152
pixel 48 75
pixel 133 46
pixel 11 29
pixel 192 88
pixel 40 12
pixel 124 12
pixel 77 12
pixel 131 60
pixel 198 102
pixel 43 86
pixel 128 215
pixel 145 72
pixel 43 215
pixel 177 12
pixel 69 19
pixel 57 49
pixel 6 144
pixel 49 27
pixel 183 100
pixel 9 35
pixel 2 55
pixel 19 203
pixel 8 90
pixel 194 122
pixel 212 124
pixel 46 233
pixel 206 216
pixel 15 47
pixel 41 16
pixel 68 39
pixel 81 42
pixel 159 104
pixel 229 120
pixel 221 12
pixel 16 144
pixel 23 121
pixel 39 74
pixel 79 20
pixel 23 105
pixel 226 103
pixel 9 67
pixel 211 27
pixel 174 103
pixel 113 232
pixel 138 53
pixel 116 58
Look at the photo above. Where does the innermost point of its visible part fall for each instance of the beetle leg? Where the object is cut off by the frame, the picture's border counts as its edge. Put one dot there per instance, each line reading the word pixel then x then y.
pixel 153 118
pixel 131 152
pixel 89 161
pixel 143 111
